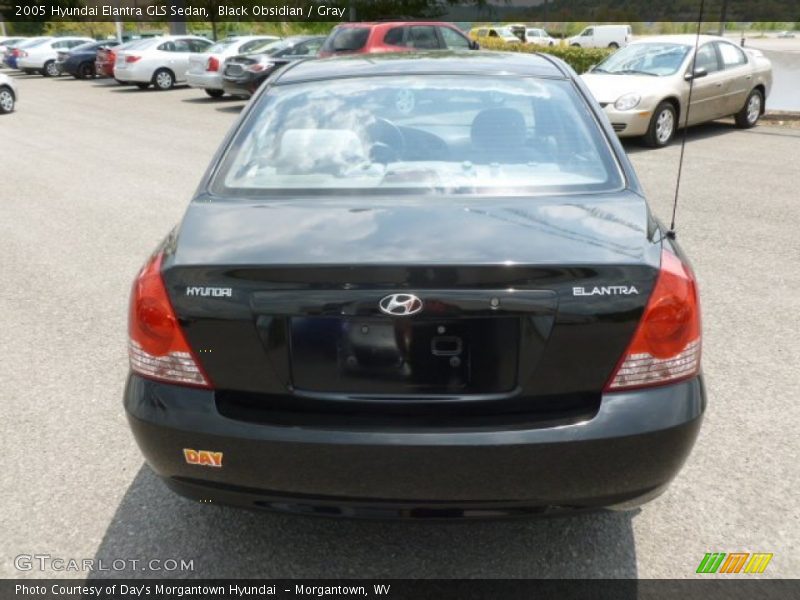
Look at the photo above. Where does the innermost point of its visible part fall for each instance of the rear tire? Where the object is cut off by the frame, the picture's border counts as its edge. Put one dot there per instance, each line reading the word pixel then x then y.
pixel 215 93
pixel 51 69
pixel 7 100
pixel 613 45
pixel 662 127
pixel 163 80
pixel 751 111
pixel 142 86
pixel 86 71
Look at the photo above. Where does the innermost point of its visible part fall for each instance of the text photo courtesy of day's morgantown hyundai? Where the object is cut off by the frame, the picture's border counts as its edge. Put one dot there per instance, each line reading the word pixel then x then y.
pixel 448 299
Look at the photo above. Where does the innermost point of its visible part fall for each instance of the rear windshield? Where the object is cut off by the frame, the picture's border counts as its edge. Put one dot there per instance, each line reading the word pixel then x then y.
pixel 346 39
pixel 427 134
pixel 85 47
pixel 222 45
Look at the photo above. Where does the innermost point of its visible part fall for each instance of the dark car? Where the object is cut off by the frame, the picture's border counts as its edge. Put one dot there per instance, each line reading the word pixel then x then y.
pixel 244 73
pixel 395 36
pixel 460 306
pixel 80 61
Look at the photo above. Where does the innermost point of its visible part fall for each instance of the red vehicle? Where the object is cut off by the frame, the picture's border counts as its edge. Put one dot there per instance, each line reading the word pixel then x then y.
pixel 395 36
pixel 104 62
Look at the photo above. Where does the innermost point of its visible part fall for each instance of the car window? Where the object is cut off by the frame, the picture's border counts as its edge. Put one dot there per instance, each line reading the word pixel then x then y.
pixel 430 134
pixel 86 46
pixel 482 32
pixel 731 55
pixel 302 49
pixel 453 39
pixel 423 37
pixel 75 43
pixel 587 32
pixel 60 44
pixel 707 59
pixel 197 45
pixel 395 36
pixel 251 45
pixel 346 39
pixel 222 45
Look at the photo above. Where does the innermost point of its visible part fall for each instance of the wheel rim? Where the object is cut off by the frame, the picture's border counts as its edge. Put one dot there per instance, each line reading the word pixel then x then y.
pixel 86 71
pixel 665 125
pixel 753 108
pixel 52 69
pixel 164 80
pixel 6 101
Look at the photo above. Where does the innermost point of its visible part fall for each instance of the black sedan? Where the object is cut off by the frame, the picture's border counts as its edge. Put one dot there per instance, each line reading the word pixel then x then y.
pixel 79 62
pixel 243 74
pixel 418 286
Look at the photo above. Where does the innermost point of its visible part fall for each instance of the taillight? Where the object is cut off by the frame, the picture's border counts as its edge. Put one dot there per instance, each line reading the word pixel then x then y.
pixel 157 347
pixel 132 59
pixel 666 345
pixel 212 64
pixel 256 68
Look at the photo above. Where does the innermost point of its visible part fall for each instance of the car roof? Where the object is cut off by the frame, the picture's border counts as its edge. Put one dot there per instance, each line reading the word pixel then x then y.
pixel 687 39
pixel 421 63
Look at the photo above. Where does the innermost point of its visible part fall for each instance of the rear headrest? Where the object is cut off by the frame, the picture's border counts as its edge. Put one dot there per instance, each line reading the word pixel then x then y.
pixel 496 128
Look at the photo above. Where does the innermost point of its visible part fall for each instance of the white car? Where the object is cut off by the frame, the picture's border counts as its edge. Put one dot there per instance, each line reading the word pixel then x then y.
pixel 42 56
pixel 9 41
pixel 161 61
pixel 8 94
pixel 785 34
pixel 205 70
pixel 538 37
pixel 603 36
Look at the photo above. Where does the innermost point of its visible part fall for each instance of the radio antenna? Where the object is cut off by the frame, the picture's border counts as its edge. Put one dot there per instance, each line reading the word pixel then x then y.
pixel 671 232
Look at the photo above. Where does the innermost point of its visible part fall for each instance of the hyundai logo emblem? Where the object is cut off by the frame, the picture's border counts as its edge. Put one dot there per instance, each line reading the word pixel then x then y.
pixel 400 305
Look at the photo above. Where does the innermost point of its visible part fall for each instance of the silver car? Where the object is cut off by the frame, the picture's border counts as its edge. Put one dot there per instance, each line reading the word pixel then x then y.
pixel 161 62
pixel 8 94
pixel 644 88
pixel 205 70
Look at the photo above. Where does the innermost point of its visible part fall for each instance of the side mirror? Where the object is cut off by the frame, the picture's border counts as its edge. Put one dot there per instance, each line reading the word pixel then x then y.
pixel 699 73
pixel 473 45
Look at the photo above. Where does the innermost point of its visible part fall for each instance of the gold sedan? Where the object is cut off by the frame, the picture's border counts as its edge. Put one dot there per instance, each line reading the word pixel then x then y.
pixel 644 87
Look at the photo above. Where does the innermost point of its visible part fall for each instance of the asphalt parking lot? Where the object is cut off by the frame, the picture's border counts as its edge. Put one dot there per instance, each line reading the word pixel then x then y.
pixel 93 175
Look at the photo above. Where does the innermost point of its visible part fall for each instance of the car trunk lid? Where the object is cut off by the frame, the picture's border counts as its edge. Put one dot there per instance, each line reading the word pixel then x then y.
pixel 520 299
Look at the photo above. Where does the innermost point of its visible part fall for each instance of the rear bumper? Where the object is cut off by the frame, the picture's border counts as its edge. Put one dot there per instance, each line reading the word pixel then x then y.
pixel 623 456
pixel 210 81
pixel 243 86
pixel 134 73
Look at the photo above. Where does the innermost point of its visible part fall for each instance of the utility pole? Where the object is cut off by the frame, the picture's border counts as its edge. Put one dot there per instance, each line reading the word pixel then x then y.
pixel 723 17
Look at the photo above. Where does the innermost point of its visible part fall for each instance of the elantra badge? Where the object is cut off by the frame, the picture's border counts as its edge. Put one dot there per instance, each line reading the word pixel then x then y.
pixel 606 290
pixel 400 305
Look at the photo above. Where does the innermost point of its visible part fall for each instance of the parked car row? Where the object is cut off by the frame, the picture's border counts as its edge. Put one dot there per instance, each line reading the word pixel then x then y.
pixel 643 88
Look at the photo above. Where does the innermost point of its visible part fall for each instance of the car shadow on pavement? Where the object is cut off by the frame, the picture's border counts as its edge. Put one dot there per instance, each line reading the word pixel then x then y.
pixel 152 522
pixel 208 100
pixel 695 133
pixel 233 108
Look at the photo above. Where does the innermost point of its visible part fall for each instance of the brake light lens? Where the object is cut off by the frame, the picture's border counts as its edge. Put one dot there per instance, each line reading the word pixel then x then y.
pixel 132 59
pixel 212 64
pixel 157 347
pixel 666 346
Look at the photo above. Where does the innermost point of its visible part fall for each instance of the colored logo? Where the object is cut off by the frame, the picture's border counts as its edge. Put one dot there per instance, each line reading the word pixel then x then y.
pixel 734 562
pixel 204 458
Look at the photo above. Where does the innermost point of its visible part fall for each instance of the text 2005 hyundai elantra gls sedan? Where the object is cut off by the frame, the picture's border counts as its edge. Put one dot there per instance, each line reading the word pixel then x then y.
pixel 422 286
